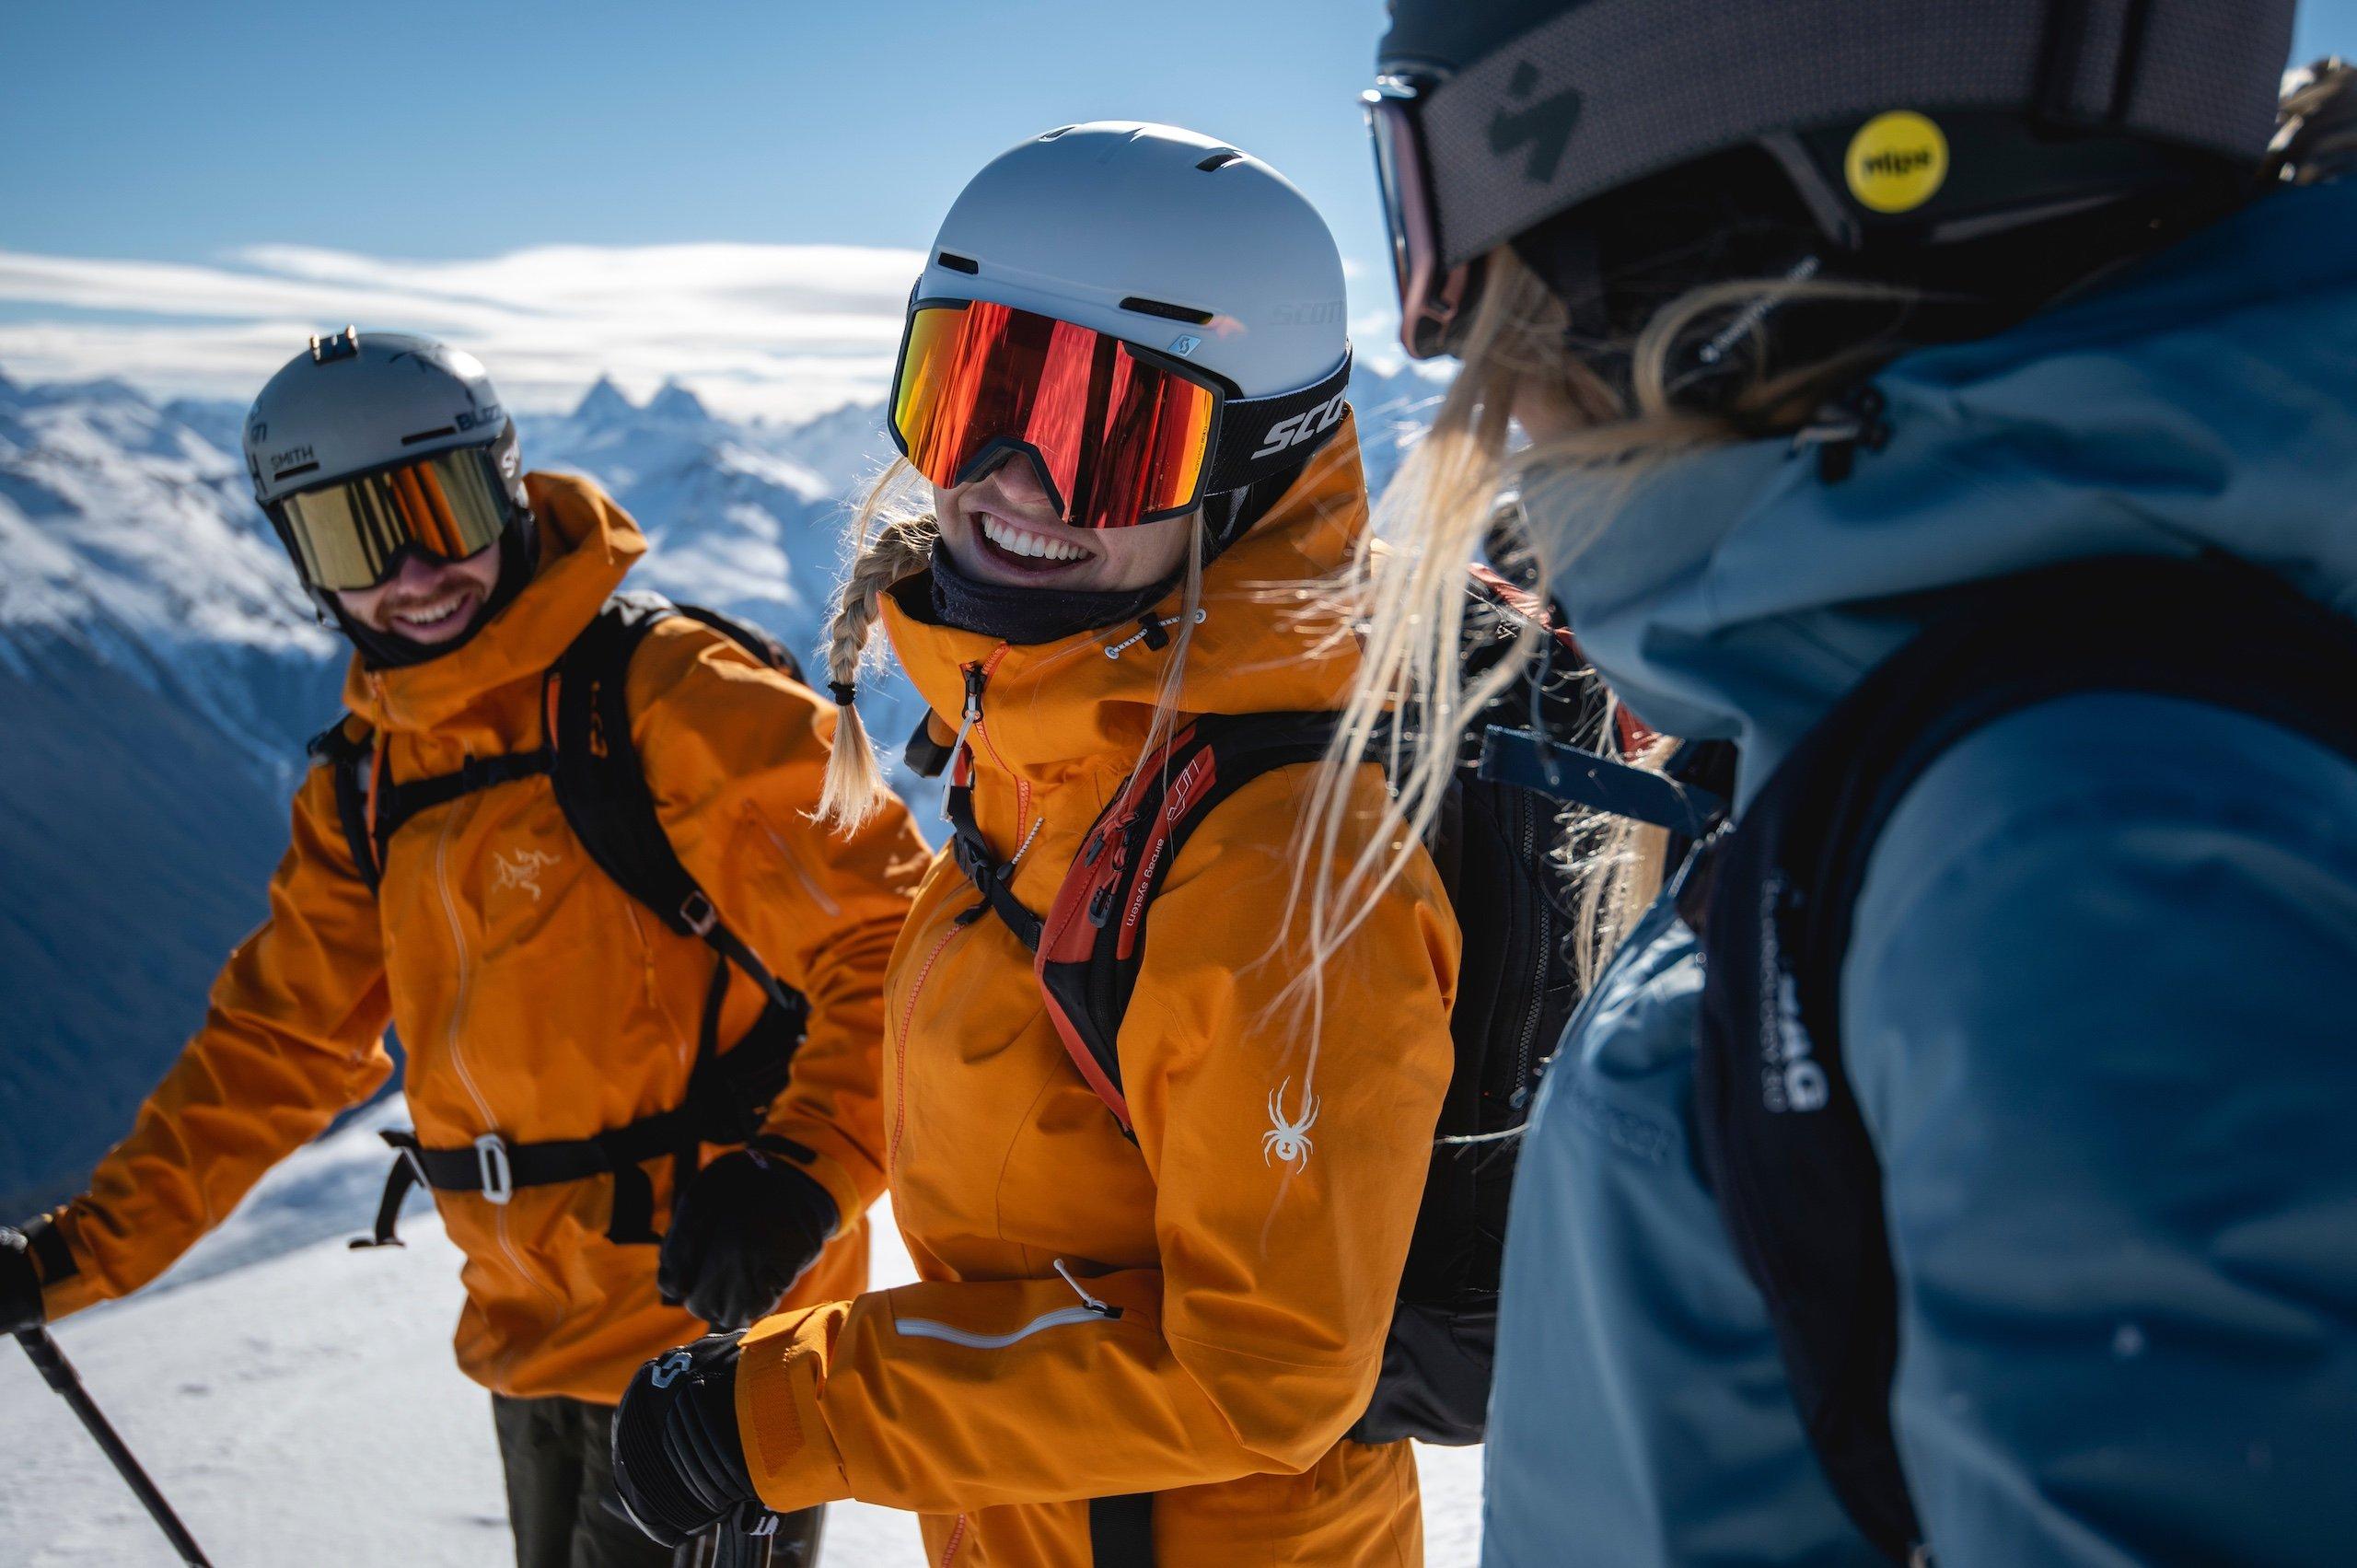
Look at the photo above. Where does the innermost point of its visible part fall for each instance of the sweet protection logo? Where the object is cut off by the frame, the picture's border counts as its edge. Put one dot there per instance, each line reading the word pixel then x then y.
pixel 1541 129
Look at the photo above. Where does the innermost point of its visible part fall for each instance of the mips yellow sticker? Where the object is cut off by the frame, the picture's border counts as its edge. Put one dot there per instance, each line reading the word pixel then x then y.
pixel 1898 162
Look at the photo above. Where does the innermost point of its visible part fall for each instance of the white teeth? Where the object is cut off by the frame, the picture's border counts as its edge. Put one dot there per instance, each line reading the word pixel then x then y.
pixel 430 614
pixel 1016 542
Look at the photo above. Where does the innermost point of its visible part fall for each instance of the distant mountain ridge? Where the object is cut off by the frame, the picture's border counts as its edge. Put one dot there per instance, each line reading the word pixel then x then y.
pixel 160 670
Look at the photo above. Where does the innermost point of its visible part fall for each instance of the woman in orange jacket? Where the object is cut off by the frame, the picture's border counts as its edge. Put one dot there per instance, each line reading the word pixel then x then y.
pixel 554 1027
pixel 1141 1335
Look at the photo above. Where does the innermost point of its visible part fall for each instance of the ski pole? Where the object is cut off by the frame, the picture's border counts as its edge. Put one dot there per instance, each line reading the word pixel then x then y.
pixel 59 1374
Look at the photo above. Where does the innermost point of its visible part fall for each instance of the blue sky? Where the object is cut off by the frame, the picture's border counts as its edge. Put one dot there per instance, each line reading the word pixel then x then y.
pixel 184 190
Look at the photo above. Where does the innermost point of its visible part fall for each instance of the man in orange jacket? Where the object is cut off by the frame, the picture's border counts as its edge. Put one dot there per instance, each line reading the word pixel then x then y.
pixel 578 1062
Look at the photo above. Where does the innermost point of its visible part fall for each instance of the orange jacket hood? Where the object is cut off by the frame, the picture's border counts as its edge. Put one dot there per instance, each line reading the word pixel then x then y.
pixel 587 544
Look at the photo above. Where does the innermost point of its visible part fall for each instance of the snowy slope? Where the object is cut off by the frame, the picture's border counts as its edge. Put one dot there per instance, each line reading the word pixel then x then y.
pixel 297 1404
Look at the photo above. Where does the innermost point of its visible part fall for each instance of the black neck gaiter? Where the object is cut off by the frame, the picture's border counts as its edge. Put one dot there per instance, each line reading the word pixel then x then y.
pixel 1027 616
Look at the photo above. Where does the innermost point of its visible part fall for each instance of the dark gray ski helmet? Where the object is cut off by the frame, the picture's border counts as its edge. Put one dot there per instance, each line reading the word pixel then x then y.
pixel 1894 129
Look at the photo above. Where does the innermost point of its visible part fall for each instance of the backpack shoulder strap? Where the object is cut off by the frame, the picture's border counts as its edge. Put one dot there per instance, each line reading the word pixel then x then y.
pixel 601 783
pixel 745 635
pixel 1780 1136
pixel 347 749
pixel 1091 942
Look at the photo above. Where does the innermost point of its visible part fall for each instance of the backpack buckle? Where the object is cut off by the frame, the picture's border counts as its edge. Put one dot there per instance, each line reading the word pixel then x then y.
pixel 696 910
pixel 490 1161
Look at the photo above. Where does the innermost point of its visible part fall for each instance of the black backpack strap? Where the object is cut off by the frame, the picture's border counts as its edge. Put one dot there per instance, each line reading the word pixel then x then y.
pixel 1779 1131
pixel 1581 777
pixel 991 877
pixel 595 769
pixel 351 763
pixel 745 634
pixel 372 807
pixel 1120 1531
pixel 601 785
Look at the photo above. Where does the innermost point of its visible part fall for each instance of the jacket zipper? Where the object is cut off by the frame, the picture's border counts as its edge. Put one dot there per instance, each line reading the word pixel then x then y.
pixel 978 676
pixel 956 1540
pixel 454 1036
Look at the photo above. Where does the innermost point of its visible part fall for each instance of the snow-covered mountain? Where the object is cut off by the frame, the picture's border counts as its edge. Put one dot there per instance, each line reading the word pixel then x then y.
pixel 160 670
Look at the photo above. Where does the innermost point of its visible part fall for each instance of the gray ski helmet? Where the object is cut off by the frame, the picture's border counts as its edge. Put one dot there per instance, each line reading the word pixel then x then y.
pixel 1160 237
pixel 1941 121
pixel 359 401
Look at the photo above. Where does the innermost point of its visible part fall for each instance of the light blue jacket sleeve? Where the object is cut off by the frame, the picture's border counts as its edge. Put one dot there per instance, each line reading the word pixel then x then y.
pixel 2101 1012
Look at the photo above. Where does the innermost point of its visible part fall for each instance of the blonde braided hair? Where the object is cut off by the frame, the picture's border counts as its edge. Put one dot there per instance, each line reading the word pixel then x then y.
pixel 895 537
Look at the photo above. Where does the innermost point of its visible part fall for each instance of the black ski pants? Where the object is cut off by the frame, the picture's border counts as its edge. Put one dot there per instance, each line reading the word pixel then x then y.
pixel 559 1457
pixel 558 1454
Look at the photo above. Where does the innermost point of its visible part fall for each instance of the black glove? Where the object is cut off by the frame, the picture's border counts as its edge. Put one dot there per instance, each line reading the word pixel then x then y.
pixel 21 1305
pixel 747 1227
pixel 679 1461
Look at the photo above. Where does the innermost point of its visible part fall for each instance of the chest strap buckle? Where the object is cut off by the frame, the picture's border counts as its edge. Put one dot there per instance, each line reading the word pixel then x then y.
pixel 491 1158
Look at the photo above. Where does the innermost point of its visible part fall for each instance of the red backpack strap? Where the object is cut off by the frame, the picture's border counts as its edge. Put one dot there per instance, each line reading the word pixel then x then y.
pixel 1091 943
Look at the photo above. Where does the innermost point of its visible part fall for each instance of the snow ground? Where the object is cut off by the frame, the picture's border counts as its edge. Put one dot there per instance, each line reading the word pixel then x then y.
pixel 297 1403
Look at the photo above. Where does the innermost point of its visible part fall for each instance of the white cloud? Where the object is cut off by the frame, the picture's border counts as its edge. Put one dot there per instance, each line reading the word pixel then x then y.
pixel 775 330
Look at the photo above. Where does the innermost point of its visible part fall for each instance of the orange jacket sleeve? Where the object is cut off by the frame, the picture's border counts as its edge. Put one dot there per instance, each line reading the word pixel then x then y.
pixel 736 753
pixel 295 1033
pixel 1256 1342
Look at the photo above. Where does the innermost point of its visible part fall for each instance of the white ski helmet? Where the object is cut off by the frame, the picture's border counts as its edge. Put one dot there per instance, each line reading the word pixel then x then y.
pixel 1160 237
pixel 358 401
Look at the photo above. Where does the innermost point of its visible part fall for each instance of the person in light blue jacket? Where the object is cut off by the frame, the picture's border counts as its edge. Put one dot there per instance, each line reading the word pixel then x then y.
pixel 2038 289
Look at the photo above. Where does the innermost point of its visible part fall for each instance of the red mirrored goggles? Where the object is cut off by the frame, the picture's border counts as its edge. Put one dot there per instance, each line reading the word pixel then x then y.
pixel 1120 435
pixel 1435 300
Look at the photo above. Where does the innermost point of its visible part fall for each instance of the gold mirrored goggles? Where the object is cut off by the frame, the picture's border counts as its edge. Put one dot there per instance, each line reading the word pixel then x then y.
pixel 352 534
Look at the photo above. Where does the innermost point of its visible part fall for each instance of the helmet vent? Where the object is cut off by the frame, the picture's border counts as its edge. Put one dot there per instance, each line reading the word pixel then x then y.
pixel 429 434
pixel 1186 313
pixel 1052 135
pixel 966 264
pixel 1220 159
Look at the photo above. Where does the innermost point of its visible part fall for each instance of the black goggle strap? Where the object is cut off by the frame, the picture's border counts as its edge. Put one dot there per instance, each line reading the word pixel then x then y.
pixel 1260 438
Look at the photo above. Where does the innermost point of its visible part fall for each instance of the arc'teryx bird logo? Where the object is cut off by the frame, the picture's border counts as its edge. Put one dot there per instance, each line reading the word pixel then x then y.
pixel 523 871
pixel 1544 127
